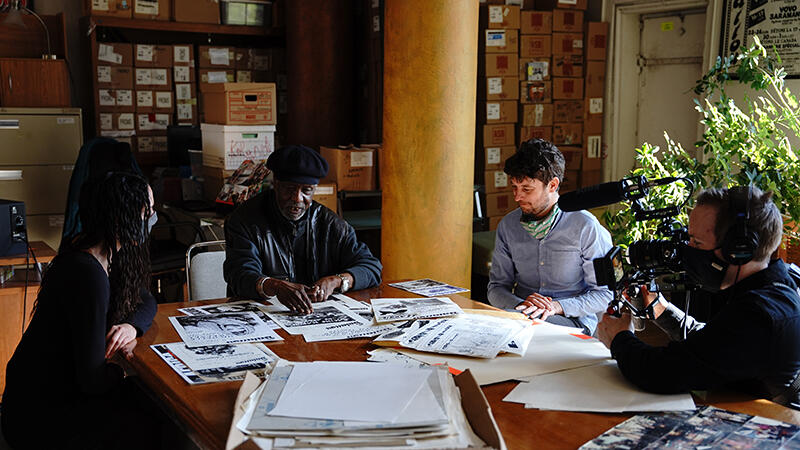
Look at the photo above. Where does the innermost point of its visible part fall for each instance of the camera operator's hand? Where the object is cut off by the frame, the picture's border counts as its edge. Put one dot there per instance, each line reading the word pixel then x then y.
pixel 537 305
pixel 648 298
pixel 292 295
pixel 610 326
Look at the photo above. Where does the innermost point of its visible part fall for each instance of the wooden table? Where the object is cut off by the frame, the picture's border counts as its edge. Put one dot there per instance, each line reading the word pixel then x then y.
pixel 206 410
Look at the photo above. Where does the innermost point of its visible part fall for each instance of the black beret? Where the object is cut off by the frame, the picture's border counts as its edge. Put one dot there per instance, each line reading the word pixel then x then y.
pixel 297 164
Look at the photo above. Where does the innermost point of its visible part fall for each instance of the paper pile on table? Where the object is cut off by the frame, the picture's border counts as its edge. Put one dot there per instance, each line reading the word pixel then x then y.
pixel 357 404
pixel 223 328
pixel 239 306
pixel 596 388
pixel 428 288
pixel 215 363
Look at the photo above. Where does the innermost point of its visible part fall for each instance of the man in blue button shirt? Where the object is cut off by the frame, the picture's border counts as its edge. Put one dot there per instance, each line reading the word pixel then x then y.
pixel 542 261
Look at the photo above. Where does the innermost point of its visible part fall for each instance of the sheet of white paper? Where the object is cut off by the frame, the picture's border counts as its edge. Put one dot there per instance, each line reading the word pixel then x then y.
pixel 597 388
pixel 349 391
pixel 551 349
pixel 352 303
pixel 394 309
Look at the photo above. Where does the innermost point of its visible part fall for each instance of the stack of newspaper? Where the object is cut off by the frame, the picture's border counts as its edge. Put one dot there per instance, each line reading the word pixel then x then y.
pixel 357 404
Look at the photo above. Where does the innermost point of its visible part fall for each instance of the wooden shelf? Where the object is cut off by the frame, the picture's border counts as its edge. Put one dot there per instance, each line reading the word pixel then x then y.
pixel 183 27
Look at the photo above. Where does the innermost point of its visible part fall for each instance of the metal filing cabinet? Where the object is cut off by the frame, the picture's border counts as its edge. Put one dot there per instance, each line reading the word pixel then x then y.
pixel 38 149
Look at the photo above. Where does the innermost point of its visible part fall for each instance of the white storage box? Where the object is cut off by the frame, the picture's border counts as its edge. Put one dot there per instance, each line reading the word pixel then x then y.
pixel 226 146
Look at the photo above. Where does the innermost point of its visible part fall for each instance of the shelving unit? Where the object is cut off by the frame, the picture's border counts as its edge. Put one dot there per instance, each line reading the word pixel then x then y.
pixel 181 27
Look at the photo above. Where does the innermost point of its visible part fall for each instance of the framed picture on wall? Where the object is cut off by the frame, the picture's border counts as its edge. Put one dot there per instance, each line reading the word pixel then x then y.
pixel 775 22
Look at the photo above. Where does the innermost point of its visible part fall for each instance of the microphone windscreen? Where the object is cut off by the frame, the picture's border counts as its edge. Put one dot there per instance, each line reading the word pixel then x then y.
pixel 592 197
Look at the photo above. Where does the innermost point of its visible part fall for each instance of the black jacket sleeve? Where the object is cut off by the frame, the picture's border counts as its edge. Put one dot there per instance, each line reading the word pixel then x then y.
pixel 242 267
pixel 142 317
pixel 355 258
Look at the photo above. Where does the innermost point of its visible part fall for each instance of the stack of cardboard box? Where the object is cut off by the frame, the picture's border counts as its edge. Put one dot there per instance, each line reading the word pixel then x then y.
pixel 155 105
pixel 115 109
pixel 498 97
pixel 596 37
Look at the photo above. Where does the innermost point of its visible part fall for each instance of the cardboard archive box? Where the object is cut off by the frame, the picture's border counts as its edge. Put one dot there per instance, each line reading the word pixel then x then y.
pixel 117 121
pixel 591 177
pixel 498 112
pixel 186 104
pixel 496 181
pixel 498 135
pixel 567 66
pixel 227 146
pixel 568 133
pixel 154 102
pixel 536 115
pixel 351 168
pixel 500 41
pixel 152 55
pixel 114 77
pixel 499 16
pixel 500 64
pixel 325 194
pixel 535 92
pixel 156 79
pixel 595 79
pixel 195 11
pixel 183 74
pixel 535 46
pixel 114 53
pixel 494 158
pixel 526 133
pixel 567 43
pixel 572 157
pixel 115 100
pixel 210 77
pixel 152 9
pixel 566 111
pixel 216 57
pixel 534 69
pixel 152 124
pixel 567 88
pixel 592 152
pixel 499 88
pixel 570 181
pixel 500 203
pixel 536 22
pixel 112 8
pixel 183 55
pixel 151 143
pixel 240 104
pixel 596 39
pixel 568 20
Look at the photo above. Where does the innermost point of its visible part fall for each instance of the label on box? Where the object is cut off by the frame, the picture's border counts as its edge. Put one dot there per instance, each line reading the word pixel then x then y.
pixel 55 221
pixel 99 5
pixel 568 2
pixel 106 53
pixel 243 76
pixel 219 56
pixel 260 62
pixel 500 179
pixel 495 38
pixel 125 121
pixel 593 149
pixel 106 121
pixel 495 85
pixel 183 74
pixel 144 76
pixel 183 91
pixel 596 105
pixel 144 99
pixel 538 115
pixel 577 43
pixel 493 155
pixel 104 74
pixel 181 54
pixel 360 159
pixel 217 77
pixel 124 97
pixel 65 120
pixel 537 70
pixel 324 190
pixel 144 52
pixel 496 14
pixel 144 144
pixel 493 111
pixel 159 77
pixel 375 4
pixel 164 100
pixel 106 98
pixel 376 24
pixel 146 7
pixel 184 111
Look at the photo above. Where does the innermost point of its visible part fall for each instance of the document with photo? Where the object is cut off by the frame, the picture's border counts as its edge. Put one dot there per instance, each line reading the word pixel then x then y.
pixel 208 375
pixel 394 309
pixel 353 304
pixel 474 335
pixel 223 328
pixel 346 331
pixel 325 314
pixel 428 288
pixel 222 357
pixel 239 306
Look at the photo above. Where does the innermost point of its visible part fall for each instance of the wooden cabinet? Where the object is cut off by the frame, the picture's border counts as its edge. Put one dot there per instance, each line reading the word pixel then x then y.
pixel 28 82
pixel 16 306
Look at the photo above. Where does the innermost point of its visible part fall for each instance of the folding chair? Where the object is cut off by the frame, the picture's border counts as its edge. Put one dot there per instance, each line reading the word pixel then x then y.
pixel 204 279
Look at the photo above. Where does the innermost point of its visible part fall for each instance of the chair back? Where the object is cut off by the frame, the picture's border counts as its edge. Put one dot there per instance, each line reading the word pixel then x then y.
pixel 204 279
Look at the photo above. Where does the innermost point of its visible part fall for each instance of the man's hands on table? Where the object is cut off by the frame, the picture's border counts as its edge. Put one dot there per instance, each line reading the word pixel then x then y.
pixel 538 305
pixel 299 297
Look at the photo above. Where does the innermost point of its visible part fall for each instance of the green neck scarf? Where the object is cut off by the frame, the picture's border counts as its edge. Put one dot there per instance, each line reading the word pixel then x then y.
pixel 539 228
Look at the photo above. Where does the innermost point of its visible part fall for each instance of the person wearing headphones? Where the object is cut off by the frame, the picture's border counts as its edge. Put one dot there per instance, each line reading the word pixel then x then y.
pixel 753 343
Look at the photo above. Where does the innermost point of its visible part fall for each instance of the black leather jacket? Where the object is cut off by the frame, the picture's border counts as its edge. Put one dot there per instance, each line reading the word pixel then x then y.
pixel 260 241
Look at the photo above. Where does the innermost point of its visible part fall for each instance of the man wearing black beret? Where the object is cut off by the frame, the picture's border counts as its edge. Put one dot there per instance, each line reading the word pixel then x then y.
pixel 282 243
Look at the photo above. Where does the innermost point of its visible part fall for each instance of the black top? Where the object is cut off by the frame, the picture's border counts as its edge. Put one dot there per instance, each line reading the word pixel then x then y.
pixel 60 360
pixel 260 241
pixel 752 344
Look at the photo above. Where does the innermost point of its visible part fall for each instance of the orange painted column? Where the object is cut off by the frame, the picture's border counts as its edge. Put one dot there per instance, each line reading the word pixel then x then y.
pixel 427 163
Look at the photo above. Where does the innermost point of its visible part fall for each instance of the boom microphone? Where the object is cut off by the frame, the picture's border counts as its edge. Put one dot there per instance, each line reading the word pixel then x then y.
pixel 632 188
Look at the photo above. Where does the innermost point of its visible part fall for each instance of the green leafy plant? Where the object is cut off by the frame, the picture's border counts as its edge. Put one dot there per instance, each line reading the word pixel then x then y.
pixel 743 143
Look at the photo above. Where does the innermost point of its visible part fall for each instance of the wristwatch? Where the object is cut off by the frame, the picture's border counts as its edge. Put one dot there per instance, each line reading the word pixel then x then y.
pixel 345 283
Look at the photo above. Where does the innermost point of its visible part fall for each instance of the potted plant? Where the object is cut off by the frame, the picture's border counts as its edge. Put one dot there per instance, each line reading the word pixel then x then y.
pixel 744 142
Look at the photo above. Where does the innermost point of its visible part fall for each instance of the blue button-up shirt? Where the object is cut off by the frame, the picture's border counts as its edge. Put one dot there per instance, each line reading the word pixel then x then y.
pixel 558 266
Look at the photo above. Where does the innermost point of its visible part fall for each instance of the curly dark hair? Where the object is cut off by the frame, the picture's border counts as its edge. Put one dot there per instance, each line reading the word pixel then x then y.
pixel 537 159
pixel 114 211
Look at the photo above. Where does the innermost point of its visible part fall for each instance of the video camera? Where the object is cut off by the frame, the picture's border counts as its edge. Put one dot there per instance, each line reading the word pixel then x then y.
pixel 655 263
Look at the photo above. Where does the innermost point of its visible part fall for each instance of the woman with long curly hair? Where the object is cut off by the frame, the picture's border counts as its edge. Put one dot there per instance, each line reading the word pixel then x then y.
pixel 62 390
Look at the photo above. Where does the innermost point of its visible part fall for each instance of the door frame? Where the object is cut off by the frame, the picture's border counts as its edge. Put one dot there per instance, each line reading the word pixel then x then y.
pixel 621 71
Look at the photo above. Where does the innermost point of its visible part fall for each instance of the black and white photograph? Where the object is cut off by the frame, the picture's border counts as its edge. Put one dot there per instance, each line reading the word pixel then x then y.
pixel 240 306
pixel 209 376
pixel 223 328
pixel 324 315
pixel 227 358
pixel 394 309
pixel 427 287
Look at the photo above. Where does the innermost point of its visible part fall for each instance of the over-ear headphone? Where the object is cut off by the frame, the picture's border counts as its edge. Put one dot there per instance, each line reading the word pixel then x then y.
pixel 740 242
